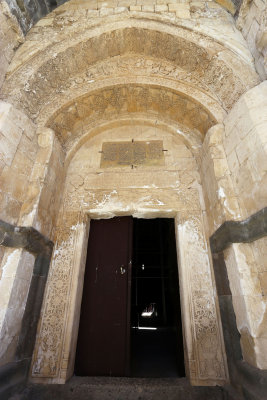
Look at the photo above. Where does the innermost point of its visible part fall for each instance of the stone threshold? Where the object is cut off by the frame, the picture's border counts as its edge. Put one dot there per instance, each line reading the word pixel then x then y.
pixel 122 388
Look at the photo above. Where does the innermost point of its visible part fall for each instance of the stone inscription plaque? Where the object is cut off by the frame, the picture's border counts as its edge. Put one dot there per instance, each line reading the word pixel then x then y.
pixel 116 154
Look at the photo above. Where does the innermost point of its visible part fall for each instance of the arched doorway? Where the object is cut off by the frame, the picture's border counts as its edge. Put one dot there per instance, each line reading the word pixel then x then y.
pixel 138 77
pixel 165 189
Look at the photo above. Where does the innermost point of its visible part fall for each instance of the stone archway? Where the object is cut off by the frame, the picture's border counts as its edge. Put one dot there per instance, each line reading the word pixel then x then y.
pixel 169 190
pixel 94 75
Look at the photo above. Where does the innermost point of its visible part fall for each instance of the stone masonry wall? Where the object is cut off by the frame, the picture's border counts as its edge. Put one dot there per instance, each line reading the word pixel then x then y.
pixel 252 21
pixel 31 168
pixel 28 12
pixel 234 177
pixel 245 144
pixel 220 197
pixel 18 147
pixel 169 189
pixel 247 271
pixel 11 37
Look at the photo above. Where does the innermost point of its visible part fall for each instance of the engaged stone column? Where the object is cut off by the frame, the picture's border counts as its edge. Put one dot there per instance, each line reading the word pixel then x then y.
pixel 204 348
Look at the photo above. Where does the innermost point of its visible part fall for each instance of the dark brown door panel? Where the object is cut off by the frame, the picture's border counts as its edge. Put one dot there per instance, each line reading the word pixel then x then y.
pixel 103 342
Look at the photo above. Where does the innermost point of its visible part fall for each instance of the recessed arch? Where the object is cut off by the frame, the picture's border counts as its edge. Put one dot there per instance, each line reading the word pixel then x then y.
pixel 192 139
pixel 108 103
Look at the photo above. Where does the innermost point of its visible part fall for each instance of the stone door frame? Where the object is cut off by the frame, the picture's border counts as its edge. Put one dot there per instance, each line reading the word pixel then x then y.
pixel 54 355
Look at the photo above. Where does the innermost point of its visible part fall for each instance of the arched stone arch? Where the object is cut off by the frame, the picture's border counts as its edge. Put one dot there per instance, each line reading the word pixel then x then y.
pixel 200 60
pixel 110 102
pixel 126 67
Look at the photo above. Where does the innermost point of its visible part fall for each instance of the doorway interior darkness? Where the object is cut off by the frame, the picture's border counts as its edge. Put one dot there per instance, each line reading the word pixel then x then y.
pixel 130 323
pixel 156 339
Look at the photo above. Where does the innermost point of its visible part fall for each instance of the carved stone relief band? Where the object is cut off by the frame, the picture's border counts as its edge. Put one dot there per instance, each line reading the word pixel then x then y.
pixel 34 242
pixel 250 229
pixel 202 337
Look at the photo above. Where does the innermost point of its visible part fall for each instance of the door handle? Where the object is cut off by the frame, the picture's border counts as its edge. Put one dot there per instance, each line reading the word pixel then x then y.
pixel 123 270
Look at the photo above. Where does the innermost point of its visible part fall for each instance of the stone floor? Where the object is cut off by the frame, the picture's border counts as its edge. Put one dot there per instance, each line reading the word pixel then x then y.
pixel 122 389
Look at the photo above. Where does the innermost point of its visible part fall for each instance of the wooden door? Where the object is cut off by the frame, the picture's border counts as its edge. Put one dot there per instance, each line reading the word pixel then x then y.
pixel 103 340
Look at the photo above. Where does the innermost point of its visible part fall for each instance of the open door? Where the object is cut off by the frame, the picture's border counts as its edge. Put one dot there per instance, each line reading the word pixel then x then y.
pixel 103 341
pixel 156 334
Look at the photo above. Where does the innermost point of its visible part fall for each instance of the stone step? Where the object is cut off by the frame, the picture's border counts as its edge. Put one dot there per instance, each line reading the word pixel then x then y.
pixel 104 388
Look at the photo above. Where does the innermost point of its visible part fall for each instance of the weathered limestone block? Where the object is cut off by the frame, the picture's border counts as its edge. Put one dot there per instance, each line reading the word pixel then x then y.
pixel 17 153
pixel 245 143
pixel 40 207
pixel 228 5
pixel 221 199
pixel 11 37
pixel 15 278
pixel 252 21
pixel 27 15
pixel 204 343
pixel 249 300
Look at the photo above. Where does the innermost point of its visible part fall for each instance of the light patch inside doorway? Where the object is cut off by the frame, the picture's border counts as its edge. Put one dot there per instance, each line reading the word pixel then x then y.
pixel 148 153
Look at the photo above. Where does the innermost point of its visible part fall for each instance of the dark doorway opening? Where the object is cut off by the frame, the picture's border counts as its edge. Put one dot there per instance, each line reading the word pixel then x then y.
pixel 130 322
pixel 156 328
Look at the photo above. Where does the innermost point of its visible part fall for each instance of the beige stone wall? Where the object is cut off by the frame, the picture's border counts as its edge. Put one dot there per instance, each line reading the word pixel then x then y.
pixel 182 8
pixel 18 146
pixel 234 161
pixel 32 166
pixel 15 278
pixel 233 172
pixel 252 22
pixel 215 56
pixel 221 199
pixel 11 37
pixel 42 202
pixel 247 271
pixel 245 143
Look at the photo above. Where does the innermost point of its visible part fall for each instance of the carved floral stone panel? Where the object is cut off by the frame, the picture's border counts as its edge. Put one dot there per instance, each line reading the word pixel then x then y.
pixel 204 341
